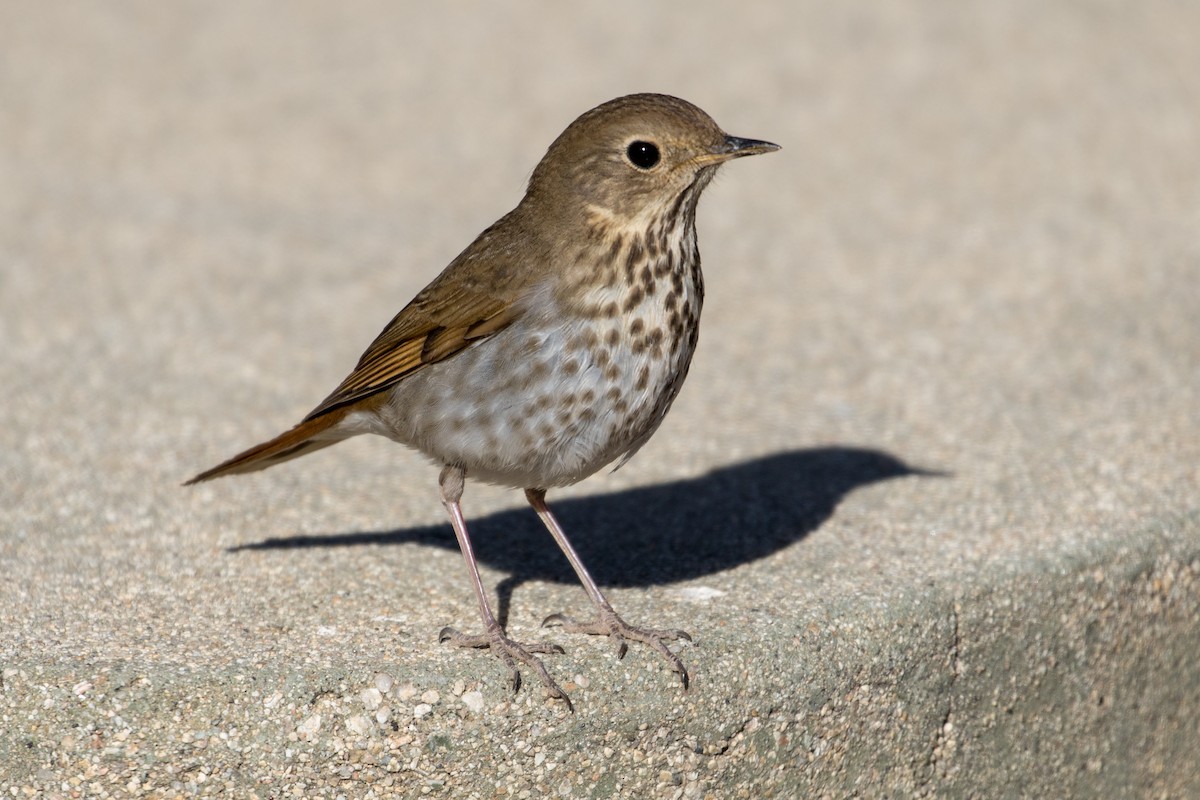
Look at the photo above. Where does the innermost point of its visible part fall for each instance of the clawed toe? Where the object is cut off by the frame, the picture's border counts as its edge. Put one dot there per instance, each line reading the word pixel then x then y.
pixel 511 653
pixel 481 640
pixel 607 623
pixel 568 624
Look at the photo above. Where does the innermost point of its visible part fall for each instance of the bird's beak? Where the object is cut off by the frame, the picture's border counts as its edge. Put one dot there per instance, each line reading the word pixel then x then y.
pixel 736 147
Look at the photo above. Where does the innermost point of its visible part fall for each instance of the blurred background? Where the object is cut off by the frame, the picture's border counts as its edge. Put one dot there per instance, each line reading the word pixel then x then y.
pixel 980 235
pixel 977 253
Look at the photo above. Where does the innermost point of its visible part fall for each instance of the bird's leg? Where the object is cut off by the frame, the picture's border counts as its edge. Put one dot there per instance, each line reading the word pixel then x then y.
pixel 606 623
pixel 493 636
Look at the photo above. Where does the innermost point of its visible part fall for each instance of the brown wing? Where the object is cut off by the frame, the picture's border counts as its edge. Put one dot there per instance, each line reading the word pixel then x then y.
pixel 442 320
pixel 473 298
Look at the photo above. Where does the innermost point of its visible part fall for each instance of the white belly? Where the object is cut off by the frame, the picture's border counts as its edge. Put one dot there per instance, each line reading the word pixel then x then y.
pixel 552 398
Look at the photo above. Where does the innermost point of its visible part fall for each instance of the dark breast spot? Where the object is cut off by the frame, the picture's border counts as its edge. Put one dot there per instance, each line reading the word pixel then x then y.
pixel 635 259
pixel 614 249
pixel 665 265
pixel 652 239
pixel 643 379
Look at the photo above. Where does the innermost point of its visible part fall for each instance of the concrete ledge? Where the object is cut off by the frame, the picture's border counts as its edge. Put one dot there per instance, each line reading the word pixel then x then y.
pixel 1074 680
pixel 928 501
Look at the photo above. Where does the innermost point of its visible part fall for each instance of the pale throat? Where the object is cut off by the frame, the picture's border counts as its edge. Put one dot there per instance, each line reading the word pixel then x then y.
pixel 642 265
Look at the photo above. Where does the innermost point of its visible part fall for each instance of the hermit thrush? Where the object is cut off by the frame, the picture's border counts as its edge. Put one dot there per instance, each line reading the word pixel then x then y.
pixel 553 345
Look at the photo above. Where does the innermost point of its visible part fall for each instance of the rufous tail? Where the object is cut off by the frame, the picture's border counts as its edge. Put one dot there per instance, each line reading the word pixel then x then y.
pixel 300 440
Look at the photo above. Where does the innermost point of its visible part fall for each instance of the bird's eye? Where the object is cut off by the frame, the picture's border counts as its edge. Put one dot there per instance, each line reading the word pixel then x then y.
pixel 643 155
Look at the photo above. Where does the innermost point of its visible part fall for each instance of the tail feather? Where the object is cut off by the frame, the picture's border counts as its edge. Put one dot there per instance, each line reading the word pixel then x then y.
pixel 303 439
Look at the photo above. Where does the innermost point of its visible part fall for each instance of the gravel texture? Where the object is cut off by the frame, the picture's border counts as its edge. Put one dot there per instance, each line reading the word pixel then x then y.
pixel 928 502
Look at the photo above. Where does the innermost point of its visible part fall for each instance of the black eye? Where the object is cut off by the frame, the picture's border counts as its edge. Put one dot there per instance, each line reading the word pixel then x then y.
pixel 642 155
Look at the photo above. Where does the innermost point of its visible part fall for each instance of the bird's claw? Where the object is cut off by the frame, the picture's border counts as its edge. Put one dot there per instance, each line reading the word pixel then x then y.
pixel 511 652
pixel 607 623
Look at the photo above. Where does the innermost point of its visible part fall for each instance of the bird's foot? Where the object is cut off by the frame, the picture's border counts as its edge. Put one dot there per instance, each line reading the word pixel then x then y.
pixel 511 652
pixel 607 623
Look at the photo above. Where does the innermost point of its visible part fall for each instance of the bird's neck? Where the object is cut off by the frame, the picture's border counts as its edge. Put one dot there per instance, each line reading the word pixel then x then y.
pixel 620 253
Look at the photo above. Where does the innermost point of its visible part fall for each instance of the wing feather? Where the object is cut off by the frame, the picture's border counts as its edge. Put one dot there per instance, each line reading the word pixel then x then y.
pixel 474 298
pixel 416 338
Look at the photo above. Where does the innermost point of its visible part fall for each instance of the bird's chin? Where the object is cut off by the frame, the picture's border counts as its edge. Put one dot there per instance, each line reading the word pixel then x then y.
pixel 705 174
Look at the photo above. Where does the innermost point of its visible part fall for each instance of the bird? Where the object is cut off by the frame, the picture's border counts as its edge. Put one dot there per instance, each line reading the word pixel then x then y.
pixel 551 347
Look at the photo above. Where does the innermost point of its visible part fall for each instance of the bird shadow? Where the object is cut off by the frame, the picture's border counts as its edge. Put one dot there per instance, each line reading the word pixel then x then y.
pixel 657 534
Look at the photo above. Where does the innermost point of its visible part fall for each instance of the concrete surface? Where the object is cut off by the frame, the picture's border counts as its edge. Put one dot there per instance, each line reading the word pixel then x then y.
pixel 928 502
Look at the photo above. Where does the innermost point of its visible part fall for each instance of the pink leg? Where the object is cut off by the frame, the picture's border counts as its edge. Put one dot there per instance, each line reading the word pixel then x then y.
pixel 493 636
pixel 607 623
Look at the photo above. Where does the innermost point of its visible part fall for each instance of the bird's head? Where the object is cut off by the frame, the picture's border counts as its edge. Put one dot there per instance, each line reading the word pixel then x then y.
pixel 634 158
